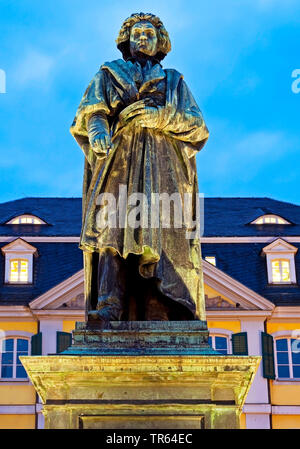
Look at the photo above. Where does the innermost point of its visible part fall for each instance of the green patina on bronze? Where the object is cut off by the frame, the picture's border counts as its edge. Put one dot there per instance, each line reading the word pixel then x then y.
pixel 139 126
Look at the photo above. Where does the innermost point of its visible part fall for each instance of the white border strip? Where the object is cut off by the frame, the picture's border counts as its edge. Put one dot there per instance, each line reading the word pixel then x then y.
pixel 39 239
pixel 285 410
pixel 254 239
pixel 17 409
pixel 257 408
pixel 75 239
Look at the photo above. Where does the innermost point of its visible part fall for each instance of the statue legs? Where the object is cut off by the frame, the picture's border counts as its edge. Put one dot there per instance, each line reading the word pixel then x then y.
pixel 123 294
pixel 111 287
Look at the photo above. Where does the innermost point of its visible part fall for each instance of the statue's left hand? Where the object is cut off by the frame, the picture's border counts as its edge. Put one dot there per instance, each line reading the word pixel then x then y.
pixel 142 113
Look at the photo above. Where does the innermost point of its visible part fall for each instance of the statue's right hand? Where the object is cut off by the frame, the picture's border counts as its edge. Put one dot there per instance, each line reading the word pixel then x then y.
pixel 101 143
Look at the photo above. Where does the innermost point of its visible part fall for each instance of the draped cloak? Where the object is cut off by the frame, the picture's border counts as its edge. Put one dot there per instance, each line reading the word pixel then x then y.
pixel 146 160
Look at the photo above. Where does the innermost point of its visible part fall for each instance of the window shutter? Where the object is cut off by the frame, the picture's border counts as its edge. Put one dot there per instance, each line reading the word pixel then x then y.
pixel 36 344
pixel 63 341
pixel 268 356
pixel 239 343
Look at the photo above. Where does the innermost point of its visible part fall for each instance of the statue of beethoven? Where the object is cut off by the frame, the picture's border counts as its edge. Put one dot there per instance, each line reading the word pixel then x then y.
pixel 140 128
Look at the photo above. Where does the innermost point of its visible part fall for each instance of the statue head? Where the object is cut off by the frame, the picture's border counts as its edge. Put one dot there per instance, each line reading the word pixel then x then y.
pixel 143 33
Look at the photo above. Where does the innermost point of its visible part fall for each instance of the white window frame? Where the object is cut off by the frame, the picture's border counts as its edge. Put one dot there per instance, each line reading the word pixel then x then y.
pixel 15 335
pixel 281 250
pixel 18 249
pixel 221 333
pixel 9 258
pixel 290 258
pixel 280 336
pixel 275 217
pixel 32 217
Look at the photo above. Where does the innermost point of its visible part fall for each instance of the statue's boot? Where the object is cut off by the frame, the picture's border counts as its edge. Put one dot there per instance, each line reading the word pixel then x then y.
pixel 110 305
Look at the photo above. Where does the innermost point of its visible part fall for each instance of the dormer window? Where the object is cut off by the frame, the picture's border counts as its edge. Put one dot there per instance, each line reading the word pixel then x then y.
pixel 281 262
pixel 270 219
pixel 26 219
pixel 281 271
pixel 18 270
pixel 18 262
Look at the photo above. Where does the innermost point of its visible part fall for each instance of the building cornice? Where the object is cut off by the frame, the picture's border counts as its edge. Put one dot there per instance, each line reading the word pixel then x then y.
pixel 285 409
pixel 249 239
pixel 13 312
pixel 257 408
pixel 41 239
pixel 17 410
pixel 279 314
pixel 68 314
pixel 75 239
pixel 225 315
pixel 290 313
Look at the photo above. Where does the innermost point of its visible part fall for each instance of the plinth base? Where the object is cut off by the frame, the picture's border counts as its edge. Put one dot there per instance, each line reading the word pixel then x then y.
pixel 141 338
pixel 174 388
pixel 141 392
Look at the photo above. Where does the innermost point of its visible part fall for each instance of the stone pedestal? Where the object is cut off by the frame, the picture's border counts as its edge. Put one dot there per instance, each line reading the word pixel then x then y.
pixel 141 338
pixel 146 375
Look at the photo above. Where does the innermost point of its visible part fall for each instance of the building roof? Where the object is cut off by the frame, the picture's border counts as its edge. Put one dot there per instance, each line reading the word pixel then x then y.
pixel 224 217
pixel 62 215
pixel 231 217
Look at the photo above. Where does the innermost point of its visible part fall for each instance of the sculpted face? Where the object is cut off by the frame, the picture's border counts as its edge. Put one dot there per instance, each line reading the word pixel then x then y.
pixel 143 38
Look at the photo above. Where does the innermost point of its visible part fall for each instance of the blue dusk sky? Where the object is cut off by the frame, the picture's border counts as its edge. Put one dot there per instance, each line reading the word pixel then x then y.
pixel 237 57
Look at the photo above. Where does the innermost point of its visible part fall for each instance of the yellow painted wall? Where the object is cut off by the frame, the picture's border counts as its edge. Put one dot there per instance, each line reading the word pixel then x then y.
pixel 286 422
pixel 243 421
pixel 17 421
pixel 16 394
pixel 282 394
pixel 276 327
pixel 68 326
pixel 234 326
pixel 26 326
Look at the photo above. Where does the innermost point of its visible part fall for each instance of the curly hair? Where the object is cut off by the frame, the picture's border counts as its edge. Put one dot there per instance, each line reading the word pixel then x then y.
pixel 163 45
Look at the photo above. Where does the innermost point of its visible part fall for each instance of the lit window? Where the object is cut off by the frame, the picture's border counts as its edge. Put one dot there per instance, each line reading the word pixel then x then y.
pixel 11 366
pixel 19 262
pixel 18 270
pixel 219 343
pixel 287 353
pixel 211 259
pixel 26 219
pixel 281 270
pixel 280 258
pixel 270 219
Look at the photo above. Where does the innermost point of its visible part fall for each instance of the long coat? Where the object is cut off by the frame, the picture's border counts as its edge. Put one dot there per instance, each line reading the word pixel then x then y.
pixel 157 160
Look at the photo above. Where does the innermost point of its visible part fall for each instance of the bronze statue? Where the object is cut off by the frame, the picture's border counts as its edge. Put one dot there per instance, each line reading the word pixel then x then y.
pixel 139 128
